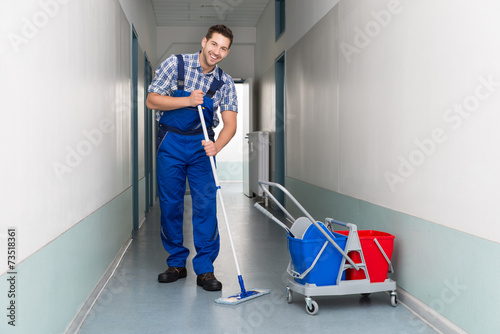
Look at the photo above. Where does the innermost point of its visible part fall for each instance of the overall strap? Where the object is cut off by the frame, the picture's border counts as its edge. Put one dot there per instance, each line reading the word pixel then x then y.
pixel 180 72
pixel 216 84
pixel 214 87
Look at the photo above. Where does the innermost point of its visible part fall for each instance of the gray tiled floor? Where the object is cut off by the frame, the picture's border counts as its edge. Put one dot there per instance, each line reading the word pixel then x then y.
pixel 134 302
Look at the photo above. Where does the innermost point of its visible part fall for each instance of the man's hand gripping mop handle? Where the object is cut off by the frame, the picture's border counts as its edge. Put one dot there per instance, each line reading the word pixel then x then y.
pixel 216 179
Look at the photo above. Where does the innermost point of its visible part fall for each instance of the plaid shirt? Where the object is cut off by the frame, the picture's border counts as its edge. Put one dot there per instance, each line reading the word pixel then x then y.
pixel 165 83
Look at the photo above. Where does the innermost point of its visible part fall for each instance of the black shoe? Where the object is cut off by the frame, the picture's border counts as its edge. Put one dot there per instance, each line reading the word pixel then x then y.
pixel 172 274
pixel 209 282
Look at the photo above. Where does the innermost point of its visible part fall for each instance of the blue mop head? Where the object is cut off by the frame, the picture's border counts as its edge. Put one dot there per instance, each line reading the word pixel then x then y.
pixel 242 297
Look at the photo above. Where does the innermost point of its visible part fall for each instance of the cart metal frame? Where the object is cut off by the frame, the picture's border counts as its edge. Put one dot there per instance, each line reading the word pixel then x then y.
pixel 342 287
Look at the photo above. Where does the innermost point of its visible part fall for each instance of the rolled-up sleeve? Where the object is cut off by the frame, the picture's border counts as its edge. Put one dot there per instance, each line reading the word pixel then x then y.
pixel 229 99
pixel 165 80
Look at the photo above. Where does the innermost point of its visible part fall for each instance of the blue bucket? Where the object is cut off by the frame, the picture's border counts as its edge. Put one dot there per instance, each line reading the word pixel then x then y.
pixel 304 251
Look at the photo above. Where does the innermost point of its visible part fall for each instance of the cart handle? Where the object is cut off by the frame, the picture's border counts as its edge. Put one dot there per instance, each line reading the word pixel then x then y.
pixel 286 192
pixel 271 216
pixel 327 236
pixel 282 208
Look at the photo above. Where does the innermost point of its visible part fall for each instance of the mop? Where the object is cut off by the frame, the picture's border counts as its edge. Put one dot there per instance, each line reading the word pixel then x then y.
pixel 244 295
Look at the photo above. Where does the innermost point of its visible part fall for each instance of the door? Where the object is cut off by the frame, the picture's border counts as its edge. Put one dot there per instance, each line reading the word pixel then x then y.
pixel 280 152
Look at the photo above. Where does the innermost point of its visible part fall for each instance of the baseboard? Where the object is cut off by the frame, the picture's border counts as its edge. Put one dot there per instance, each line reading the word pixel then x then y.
pixel 425 313
pixel 82 314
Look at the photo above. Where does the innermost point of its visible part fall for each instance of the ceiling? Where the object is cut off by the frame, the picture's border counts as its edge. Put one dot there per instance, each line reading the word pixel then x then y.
pixel 233 13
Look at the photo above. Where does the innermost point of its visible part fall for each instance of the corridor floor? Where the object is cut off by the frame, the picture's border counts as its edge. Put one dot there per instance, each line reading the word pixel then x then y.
pixel 134 302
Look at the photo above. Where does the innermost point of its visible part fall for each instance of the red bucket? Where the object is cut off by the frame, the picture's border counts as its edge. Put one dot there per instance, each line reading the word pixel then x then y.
pixel 375 261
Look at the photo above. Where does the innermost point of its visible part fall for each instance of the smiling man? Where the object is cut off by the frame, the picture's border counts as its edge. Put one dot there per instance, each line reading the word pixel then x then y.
pixel 181 83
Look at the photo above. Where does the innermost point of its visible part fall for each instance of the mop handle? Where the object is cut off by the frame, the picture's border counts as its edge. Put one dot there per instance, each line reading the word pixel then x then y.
pixel 216 179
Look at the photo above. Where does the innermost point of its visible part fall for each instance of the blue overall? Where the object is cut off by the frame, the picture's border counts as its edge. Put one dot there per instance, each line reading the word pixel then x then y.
pixel 180 154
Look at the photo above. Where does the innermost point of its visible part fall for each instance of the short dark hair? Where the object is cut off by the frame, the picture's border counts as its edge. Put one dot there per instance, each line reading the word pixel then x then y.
pixel 220 29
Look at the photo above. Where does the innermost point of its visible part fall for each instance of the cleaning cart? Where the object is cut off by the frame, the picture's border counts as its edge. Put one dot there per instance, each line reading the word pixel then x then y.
pixel 325 262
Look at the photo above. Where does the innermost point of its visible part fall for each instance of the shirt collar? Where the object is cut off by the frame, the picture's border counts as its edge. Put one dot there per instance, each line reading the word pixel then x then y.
pixel 196 64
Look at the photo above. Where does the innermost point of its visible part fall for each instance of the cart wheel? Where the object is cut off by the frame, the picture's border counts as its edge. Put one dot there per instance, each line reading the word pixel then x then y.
pixel 365 294
pixel 394 299
pixel 313 309
pixel 289 295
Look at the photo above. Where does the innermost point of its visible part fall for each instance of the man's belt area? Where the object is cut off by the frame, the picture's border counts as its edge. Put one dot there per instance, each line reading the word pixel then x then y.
pixel 193 132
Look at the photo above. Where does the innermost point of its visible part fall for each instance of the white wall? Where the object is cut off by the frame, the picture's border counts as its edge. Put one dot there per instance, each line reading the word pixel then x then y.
pixel 140 14
pixel 65 117
pixel 417 92
pixel 300 18
pixel 312 118
pixel 419 97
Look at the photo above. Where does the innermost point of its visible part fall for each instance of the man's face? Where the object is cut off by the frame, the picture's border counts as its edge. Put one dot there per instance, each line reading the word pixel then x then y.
pixel 214 50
